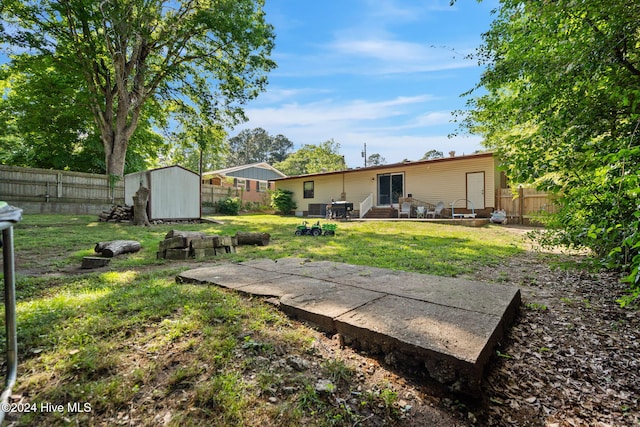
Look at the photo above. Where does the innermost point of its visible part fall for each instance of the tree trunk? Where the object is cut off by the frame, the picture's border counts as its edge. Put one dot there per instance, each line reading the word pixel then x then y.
pixel 117 247
pixel 260 239
pixel 115 153
pixel 140 206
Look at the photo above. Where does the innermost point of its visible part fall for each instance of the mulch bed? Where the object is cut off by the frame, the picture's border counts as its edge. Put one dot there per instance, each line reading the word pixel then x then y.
pixel 572 357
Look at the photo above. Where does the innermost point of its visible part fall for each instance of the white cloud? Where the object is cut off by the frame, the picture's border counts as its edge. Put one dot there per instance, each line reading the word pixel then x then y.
pixel 329 112
pixel 384 13
pixel 433 118
pixel 390 127
pixel 277 95
pixel 399 147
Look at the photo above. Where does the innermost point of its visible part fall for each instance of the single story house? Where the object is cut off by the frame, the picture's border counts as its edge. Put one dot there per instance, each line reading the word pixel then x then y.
pixel 248 182
pixel 174 192
pixel 468 183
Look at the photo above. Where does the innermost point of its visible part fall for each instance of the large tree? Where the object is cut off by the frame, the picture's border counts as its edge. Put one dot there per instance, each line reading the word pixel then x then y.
pixel 201 58
pixel 562 110
pixel 256 145
pixel 45 122
pixel 311 158
pixel 197 148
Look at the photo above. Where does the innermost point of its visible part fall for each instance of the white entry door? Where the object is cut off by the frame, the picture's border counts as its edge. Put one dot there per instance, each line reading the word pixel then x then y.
pixel 475 189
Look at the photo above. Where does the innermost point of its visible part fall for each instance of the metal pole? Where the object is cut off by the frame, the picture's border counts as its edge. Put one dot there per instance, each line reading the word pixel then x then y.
pixel 10 312
pixel 364 154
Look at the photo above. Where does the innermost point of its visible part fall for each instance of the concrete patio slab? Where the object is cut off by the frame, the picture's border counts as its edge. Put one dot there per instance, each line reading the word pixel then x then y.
pixel 452 344
pixel 445 326
pixel 230 276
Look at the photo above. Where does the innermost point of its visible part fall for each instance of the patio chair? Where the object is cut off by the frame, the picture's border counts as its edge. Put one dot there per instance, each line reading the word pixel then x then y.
pixel 462 215
pixel 437 211
pixel 420 211
pixel 405 209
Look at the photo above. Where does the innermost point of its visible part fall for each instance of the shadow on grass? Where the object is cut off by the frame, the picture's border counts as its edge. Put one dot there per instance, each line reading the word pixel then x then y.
pixel 106 338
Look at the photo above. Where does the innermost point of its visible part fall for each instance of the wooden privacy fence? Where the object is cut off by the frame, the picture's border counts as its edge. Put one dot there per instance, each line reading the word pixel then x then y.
pixel 211 194
pixel 54 191
pixel 45 185
pixel 525 205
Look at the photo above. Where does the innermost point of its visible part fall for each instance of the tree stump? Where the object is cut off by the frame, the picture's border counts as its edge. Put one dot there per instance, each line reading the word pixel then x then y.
pixel 117 247
pixel 140 200
pixel 260 239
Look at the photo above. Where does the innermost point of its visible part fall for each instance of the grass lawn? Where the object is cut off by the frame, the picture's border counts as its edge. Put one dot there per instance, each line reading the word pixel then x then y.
pixel 136 347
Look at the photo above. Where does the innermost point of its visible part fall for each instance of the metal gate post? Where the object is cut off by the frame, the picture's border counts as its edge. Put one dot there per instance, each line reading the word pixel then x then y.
pixel 9 308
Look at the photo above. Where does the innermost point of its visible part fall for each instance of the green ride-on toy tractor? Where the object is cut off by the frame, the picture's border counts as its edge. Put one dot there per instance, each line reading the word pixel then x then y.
pixel 304 229
pixel 315 230
pixel 329 229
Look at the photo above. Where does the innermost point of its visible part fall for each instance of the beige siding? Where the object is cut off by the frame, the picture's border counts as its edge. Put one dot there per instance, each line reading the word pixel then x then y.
pixel 431 182
pixel 447 181
pixel 326 187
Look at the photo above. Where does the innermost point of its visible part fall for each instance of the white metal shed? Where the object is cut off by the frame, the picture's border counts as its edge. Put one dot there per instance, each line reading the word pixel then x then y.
pixel 174 192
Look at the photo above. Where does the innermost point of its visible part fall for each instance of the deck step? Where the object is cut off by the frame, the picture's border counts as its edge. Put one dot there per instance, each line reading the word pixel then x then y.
pixel 379 213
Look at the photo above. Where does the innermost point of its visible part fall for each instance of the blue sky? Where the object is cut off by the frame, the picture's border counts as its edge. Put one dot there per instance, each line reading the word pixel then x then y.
pixel 387 73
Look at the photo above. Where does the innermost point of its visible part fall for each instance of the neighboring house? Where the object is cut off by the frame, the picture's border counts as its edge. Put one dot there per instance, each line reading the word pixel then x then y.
pixel 248 182
pixel 174 192
pixel 470 182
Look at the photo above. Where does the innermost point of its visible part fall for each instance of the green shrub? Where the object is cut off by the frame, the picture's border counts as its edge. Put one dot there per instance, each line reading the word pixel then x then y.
pixel 282 201
pixel 229 206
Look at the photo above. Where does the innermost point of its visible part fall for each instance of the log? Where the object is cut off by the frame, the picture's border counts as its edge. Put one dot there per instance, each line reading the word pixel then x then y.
pixel 260 239
pixel 117 247
pixel 181 254
pixel 173 243
pixel 118 213
pixel 187 234
pixel 94 262
pixel 206 242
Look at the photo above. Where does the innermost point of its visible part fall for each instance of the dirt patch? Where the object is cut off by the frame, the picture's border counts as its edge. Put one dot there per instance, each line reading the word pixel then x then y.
pixel 572 357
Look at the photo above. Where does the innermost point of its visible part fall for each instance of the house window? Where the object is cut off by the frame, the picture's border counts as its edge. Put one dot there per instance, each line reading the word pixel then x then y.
pixel 239 183
pixel 308 189
pixel 247 185
pixel 262 186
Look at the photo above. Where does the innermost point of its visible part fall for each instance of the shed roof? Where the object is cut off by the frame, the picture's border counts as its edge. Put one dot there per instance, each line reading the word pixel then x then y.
pixel 165 167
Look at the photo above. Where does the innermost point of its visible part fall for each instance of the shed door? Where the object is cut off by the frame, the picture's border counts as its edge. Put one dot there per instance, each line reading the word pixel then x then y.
pixel 475 189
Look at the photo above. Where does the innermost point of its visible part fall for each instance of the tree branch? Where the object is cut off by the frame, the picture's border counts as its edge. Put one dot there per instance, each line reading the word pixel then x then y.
pixel 618 52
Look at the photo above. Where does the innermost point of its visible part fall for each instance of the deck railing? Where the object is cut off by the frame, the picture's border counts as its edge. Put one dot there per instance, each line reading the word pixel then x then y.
pixel 366 205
